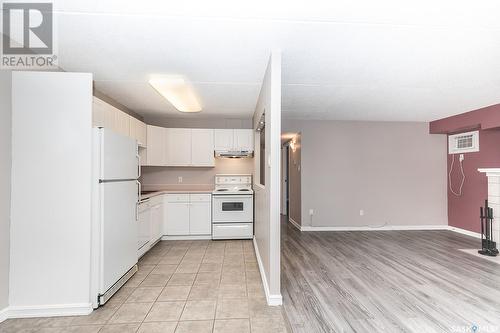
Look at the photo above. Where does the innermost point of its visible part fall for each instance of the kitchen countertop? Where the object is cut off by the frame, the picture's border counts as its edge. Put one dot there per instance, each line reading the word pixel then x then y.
pixel 151 194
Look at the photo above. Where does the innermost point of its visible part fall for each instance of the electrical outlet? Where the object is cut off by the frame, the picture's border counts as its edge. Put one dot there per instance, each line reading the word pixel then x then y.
pixel 461 157
pixel 179 179
pixel 311 212
pixel 361 212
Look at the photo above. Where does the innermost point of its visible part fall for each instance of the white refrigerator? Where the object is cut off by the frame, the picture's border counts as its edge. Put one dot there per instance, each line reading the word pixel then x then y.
pixel 115 203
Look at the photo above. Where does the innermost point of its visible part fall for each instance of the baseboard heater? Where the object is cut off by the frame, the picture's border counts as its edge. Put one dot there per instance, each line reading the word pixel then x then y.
pixel 102 299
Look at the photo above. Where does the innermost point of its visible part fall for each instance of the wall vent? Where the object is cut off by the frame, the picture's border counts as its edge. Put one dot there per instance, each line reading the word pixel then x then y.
pixel 463 143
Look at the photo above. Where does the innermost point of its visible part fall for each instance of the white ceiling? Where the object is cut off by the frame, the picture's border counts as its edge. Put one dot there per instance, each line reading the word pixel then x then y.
pixel 354 60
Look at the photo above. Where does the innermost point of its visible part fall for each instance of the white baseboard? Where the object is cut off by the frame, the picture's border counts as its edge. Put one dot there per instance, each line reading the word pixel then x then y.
pixel 203 237
pixel 295 224
pixel 465 232
pixel 389 227
pixel 58 310
pixel 272 300
pixel 383 228
pixel 4 314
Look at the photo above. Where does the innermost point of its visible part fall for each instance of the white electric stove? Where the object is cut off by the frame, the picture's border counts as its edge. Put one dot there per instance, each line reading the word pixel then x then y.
pixel 232 207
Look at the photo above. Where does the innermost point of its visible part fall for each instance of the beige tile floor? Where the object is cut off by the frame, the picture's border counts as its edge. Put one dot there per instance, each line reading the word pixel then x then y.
pixel 181 286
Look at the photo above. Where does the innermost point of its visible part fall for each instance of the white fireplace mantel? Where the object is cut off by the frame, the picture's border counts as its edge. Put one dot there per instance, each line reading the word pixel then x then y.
pixel 493 175
pixel 492 171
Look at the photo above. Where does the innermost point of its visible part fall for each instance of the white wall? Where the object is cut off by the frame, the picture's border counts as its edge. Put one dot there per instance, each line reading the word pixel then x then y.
pixel 267 198
pixel 394 171
pixel 51 193
pixel 5 175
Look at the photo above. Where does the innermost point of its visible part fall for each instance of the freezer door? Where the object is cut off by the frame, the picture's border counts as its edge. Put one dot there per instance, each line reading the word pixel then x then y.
pixel 118 231
pixel 119 156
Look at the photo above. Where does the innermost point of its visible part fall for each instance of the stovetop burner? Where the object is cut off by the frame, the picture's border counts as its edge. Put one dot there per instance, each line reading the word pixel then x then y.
pixel 233 185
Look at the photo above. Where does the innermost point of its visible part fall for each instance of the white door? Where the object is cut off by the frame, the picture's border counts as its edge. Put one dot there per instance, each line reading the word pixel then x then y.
pixel 178 146
pixel 177 218
pixel 119 156
pixel 118 231
pixel 156 146
pixel 224 139
pixel 200 222
pixel 243 139
pixel 156 222
pixel 202 147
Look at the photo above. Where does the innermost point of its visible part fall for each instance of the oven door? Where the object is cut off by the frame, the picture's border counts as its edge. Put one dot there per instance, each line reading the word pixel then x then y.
pixel 232 208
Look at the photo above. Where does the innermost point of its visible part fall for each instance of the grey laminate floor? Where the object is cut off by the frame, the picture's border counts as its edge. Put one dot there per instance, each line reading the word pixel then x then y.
pixel 387 281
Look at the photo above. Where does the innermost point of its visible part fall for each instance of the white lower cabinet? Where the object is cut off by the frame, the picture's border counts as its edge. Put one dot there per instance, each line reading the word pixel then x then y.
pixel 143 228
pixel 150 224
pixel 156 219
pixel 199 218
pixel 187 215
pixel 178 215
pixel 176 218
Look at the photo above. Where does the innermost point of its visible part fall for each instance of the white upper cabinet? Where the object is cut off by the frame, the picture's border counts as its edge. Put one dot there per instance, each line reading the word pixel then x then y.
pixel 107 116
pixel 122 122
pixel 103 115
pixel 97 113
pixel 202 147
pixel 138 131
pixel 234 139
pixel 243 139
pixel 178 148
pixel 224 139
pixel 155 152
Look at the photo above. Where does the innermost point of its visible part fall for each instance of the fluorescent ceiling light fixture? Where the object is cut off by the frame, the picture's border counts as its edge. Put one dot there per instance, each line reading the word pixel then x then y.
pixel 177 91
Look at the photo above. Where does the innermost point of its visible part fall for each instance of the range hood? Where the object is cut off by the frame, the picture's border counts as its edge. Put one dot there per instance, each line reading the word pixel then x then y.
pixel 233 153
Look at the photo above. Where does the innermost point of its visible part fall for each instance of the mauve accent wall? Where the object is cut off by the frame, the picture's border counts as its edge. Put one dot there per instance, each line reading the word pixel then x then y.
pixel 463 211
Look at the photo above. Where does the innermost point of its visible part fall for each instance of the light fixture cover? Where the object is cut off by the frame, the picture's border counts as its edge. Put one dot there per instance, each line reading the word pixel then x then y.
pixel 177 91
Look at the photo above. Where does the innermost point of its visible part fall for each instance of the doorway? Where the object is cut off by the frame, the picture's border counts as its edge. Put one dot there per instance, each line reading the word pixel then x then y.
pixel 285 172
pixel 291 179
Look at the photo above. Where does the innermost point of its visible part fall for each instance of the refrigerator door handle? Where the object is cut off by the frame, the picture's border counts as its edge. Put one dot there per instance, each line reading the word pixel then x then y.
pixel 138 165
pixel 138 200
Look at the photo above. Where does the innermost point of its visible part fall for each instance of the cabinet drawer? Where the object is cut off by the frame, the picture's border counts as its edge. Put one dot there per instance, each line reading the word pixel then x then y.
pixel 205 197
pixel 232 231
pixel 177 197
